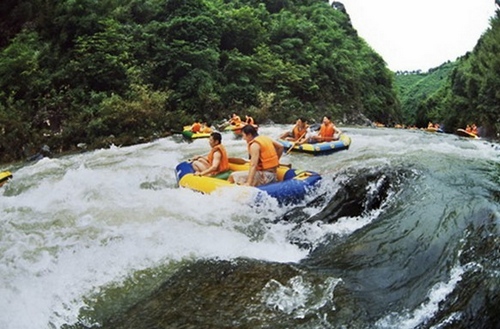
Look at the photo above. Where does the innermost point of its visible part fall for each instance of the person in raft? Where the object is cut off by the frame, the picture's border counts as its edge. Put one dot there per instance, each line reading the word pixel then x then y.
pixel 249 120
pixel 215 162
pixel 196 127
pixel 327 132
pixel 298 131
pixel 473 129
pixel 235 120
pixel 205 128
pixel 264 155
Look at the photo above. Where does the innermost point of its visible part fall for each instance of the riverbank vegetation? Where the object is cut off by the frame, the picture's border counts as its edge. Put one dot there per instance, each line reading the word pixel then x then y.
pixel 92 72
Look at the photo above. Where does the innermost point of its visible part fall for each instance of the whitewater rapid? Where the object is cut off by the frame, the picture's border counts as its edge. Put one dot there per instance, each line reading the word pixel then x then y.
pixel 73 227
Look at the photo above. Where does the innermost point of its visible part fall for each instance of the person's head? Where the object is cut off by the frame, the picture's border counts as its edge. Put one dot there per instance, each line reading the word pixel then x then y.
pixel 301 122
pixel 327 119
pixel 249 132
pixel 215 139
pixel 234 115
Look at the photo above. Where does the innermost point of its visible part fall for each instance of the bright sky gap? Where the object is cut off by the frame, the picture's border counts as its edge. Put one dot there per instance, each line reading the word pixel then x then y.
pixel 420 35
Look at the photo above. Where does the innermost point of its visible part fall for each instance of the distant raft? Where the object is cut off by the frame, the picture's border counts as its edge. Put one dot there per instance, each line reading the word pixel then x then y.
pixel 434 130
pixel 292 186
pixel 187 133
pixel 323 148
pixel 465 133
pixel 237 129
pixel 4 177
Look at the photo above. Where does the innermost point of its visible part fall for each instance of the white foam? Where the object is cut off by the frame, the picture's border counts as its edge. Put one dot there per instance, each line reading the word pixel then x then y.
pixel 86 220
pixel 438 293
pixel 298 297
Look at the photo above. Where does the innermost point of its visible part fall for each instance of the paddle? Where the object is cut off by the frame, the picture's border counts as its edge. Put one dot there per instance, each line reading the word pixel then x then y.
pixel 295 142
pixel 243 161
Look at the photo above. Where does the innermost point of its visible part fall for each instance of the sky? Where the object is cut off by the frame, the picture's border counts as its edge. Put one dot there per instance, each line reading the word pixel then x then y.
pixel 420 35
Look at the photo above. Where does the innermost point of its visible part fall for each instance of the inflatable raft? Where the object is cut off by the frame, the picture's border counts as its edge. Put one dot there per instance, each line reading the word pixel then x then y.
pixel 292 185
pixel 187 133
pixel 465 133
pixel 434 130
pixel 236 129
pixel 4 177
pixel 323 148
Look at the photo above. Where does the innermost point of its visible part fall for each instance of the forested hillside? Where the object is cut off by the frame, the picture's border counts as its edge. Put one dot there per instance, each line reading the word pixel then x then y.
pixel 468 95
pixel 472 94
pixel 86 71
pixel 414 88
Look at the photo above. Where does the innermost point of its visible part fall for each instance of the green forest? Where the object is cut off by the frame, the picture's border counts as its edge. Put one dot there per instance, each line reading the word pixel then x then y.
pixel 125 71
pixel 80 71
pixel 414 88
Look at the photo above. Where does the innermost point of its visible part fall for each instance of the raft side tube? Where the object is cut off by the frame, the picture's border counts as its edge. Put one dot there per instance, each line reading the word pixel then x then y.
pixel 4 177
pixel 293 184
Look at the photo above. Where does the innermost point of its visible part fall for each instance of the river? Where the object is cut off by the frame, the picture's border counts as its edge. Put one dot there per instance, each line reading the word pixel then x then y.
pixel 403 232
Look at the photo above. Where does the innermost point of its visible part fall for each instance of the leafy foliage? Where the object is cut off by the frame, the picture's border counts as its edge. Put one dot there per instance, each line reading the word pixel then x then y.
pixel 84 70
pixel 415 88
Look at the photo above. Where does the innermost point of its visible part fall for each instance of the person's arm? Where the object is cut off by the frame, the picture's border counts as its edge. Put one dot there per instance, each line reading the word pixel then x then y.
pixel 198 157
pixel 286 134
pixel 214 165
pixel 254 162
pixel 279 148
pixel 319 135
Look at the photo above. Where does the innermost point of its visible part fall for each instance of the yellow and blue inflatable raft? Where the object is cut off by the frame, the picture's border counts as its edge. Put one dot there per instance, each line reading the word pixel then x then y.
pixel 292 186
pixel 323 148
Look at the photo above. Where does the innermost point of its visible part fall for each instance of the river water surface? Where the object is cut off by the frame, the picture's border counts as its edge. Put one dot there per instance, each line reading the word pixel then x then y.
pixel 403 232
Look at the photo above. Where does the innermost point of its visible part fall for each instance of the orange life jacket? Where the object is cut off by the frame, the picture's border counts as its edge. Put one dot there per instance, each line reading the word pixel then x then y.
pixel 268 158
pixel 236 120
pixel 326 132
pixel 224 160
pixel 196 127
pixel 297 132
